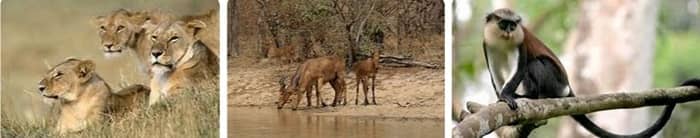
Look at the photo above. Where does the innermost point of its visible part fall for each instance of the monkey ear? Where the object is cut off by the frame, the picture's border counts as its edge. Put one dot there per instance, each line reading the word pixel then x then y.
pixel 194 27
pixel 85 70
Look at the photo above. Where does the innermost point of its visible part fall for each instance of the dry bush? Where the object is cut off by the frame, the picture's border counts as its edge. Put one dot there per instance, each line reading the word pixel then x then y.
pixel 323 27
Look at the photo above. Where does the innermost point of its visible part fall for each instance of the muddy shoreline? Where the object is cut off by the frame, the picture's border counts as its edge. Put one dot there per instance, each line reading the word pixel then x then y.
pixel 259 121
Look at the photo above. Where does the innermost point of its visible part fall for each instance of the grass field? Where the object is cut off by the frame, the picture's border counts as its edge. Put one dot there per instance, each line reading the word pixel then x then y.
pixel 41 33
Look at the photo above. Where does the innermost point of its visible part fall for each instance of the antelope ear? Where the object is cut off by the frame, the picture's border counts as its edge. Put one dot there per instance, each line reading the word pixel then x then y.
pixel 85 70
pixel 194 27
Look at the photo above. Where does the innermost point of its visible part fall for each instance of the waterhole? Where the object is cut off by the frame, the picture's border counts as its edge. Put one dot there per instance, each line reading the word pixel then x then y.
pixel 270 122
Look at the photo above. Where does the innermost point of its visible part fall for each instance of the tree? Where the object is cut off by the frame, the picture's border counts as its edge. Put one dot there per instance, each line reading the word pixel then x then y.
pixel 611 49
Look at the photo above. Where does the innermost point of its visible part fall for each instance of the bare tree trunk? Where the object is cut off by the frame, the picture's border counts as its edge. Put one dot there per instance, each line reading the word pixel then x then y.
pixel 611 49
pixel 232 31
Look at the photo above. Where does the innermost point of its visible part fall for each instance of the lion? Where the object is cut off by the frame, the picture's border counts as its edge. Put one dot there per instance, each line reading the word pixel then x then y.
pixel 315 72
pixel 83 97
pixel 210 32
pixel 178 59
pixel 122 31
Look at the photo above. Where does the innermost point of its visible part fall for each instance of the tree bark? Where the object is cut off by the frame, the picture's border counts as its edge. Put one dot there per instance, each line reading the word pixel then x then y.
pixel 611 49
pixel 233 49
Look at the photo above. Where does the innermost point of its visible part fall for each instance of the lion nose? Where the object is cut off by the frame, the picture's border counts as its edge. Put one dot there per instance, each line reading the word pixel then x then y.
pixel 42 88
pixel 109 45
pixel 156 53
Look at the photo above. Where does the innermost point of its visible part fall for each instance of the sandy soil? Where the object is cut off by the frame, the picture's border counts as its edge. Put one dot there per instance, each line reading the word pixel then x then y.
pixel 401 92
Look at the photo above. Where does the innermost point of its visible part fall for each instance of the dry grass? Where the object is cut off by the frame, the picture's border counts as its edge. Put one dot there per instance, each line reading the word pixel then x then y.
pixel 192 114
pixel 41 33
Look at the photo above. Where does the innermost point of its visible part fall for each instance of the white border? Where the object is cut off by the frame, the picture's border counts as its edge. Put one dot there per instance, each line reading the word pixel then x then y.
pixel 223 71
pixel 448 67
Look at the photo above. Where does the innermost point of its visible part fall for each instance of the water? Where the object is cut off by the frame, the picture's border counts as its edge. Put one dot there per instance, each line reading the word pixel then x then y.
pixel 247 122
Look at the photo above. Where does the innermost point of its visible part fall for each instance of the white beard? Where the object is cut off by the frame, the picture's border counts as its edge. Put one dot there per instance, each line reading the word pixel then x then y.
pixel 49 101
pixel 159 70
pixel 69 96
pixel 112 55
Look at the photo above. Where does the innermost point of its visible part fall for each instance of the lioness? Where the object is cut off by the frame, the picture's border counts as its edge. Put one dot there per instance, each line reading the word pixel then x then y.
pixel 122 30
pixel 317 72
pixel 178 59
pixel 83 97
pixel 209 33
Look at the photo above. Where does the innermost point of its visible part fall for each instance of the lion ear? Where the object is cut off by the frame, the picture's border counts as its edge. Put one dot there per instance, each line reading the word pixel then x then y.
pixel 138 19
pixel 85 70
pixel 97 21
pixel 149 25
pixel 195 26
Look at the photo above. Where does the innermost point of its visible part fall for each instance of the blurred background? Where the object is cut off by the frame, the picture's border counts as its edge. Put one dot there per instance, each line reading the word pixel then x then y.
pixel 605 45
pixel 37 34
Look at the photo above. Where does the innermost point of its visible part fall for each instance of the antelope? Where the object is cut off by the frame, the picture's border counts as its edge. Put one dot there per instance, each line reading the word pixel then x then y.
pixel 366 70
pixel 317 71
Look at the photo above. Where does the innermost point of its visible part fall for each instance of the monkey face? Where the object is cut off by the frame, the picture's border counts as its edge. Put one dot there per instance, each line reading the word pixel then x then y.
pixel 503 28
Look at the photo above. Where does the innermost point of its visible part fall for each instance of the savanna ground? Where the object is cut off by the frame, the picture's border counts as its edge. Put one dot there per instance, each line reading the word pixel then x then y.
pixel 409 102
pixel 401 92
pixel 41 33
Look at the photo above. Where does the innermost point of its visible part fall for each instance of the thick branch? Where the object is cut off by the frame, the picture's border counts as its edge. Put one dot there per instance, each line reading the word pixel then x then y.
pixel 408 63
pixel 401 61
pixel 498 114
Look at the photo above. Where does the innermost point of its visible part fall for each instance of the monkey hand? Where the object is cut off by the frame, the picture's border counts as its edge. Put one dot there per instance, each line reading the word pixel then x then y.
pixel 511 103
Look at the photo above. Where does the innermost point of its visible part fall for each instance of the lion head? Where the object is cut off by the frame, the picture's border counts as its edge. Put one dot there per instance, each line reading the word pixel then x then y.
pixel 118 30
pixel 63 80
pixel 172 43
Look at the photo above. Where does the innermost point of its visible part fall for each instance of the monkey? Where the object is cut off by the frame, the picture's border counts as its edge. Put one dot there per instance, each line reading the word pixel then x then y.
pixel 532 70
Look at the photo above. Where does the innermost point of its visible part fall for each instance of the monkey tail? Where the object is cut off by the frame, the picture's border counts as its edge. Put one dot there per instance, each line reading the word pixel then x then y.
pixel 649 132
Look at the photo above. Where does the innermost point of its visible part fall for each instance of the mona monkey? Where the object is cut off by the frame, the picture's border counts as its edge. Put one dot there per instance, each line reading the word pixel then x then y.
pixel 533 71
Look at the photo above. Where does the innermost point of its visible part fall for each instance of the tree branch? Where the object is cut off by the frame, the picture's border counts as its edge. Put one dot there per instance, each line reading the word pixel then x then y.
pixel 497 115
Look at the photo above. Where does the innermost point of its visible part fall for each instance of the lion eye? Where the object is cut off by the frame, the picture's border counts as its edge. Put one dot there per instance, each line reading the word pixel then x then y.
pixel 57 75
pixel 153 38
pixel 174 39
pixel 103 29
pixel 120 28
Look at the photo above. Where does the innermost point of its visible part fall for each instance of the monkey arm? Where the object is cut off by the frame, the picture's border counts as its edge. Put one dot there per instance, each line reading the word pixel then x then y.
pixel 508 93
pixel 493 83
